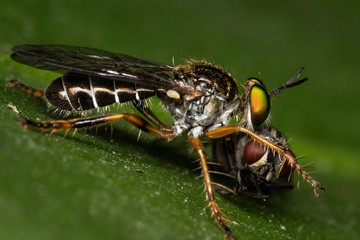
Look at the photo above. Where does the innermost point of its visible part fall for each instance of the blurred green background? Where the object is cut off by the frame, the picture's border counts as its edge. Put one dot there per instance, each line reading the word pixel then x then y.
pixel 92 187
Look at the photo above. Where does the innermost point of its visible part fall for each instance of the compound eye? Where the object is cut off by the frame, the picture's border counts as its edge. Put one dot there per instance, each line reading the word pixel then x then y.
pixel 286 169
pixel 253 152
pixel 259 104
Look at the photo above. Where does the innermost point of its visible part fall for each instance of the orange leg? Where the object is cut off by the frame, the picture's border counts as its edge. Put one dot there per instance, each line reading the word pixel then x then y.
pixel 196 143
pixel 29 90
pixel 96 121
pixel 226 130
pixel 149 115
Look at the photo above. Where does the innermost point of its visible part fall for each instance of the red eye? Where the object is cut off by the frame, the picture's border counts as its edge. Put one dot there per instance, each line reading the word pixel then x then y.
pixel 286 170
pixel 253 152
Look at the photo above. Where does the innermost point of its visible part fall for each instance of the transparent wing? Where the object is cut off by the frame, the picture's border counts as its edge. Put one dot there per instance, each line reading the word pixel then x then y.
pixel 94 62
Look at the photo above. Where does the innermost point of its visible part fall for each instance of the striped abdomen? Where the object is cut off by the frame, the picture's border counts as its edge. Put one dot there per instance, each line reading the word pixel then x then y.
pixel 81 92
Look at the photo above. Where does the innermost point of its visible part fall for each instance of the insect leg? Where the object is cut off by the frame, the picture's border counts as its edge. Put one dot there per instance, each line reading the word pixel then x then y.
pixel 143 108
pixel 226 130
pixel 36 92
pixel 96 121
pixel 196 143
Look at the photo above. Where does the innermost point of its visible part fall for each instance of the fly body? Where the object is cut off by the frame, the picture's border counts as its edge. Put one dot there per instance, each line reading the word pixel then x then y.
pixel 255 167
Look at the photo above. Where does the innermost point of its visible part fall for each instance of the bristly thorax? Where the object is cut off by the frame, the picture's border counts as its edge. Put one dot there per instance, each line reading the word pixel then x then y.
pixel 219 78
pixel 213 108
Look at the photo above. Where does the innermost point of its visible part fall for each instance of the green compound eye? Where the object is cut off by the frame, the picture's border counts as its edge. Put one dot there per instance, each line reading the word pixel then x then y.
pixel 260 105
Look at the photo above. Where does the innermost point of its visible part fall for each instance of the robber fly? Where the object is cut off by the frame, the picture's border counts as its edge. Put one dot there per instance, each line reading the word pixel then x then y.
pixel 199 96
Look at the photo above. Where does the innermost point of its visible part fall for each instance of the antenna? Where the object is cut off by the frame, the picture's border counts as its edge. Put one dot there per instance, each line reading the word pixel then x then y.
pixel 290 83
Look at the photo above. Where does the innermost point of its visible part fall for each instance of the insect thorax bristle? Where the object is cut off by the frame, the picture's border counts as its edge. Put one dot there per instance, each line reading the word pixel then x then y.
pixel 217 77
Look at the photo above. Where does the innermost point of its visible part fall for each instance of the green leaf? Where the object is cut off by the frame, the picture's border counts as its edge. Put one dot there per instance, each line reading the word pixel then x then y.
pixel 94 186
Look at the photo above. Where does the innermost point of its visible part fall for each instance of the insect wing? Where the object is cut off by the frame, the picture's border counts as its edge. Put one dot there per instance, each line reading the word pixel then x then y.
pixel 94 62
